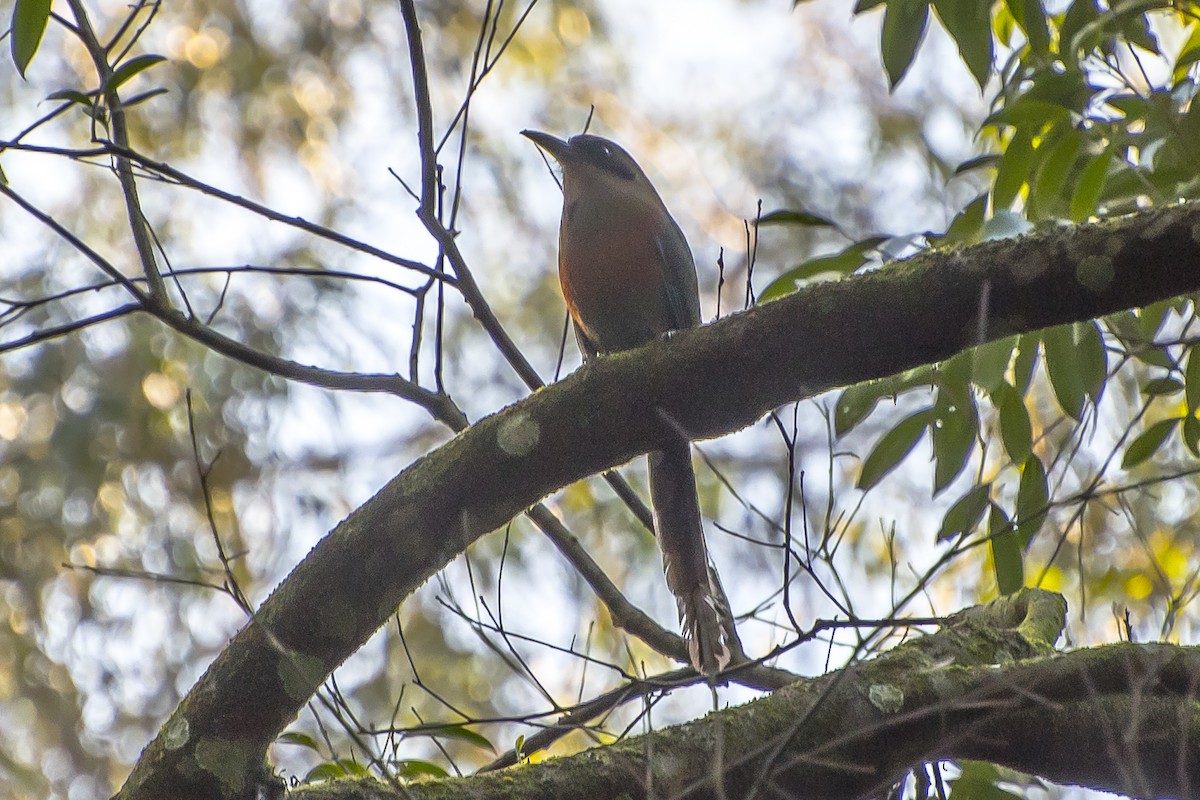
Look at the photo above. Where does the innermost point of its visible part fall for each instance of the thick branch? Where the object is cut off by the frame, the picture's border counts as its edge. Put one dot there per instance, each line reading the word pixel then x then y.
pixel 711 380
pixel 1125 718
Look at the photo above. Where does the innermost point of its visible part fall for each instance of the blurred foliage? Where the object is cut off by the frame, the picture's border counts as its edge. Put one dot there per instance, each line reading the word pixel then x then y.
pixel 102 511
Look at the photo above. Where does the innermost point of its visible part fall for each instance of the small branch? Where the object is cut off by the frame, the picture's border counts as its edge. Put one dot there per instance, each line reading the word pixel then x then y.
pixel 167 172
pixel 1120 717
pixel 625 615
pixel 438 405
pixel 714 380
pixel 300 223
pixel 295 272
pixel 138 224
pixel 579 716
pixel 203 471
pixel 76 242
pixel 57 331
pixel 427 212
pixel 142 575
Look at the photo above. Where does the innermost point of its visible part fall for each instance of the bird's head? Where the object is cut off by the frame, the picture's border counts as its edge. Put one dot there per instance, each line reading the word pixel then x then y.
pixel 593 164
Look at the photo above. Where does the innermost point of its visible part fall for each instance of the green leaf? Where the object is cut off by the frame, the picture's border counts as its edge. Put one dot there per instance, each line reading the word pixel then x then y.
pixel 1133 106
pixel 1191 434
pixel 978 781
pixel 1150 322
pixel 71 94
pixel 893 447
pixel 460 733
pixel 1029 113
pixel 990 361
pixel 978 162
pixel 324 772
pixel 1025 361
pixel 1006 552
pixel 969 24
pixel 866 5
pixel 857 401
pixel 854 404
pixel 904 24
pixel 1015 429
pixel 1015 166
pixel 1152 318
pixel 784 216
pixel 298 738
pixel 1124 325
pixel 141 98
pixel 967 226
pixel 411 768
pixel 1032 19
pixel 1063 368
pixel 1159 387
pixel 842 263
pixel 1092 358
pixel 133 66
pixel 335 769
pixel 1191 378
pixel 1080 14
pixel 1033 495
pixel 1148 442
pixel 1089 188
pixel 1188 54
pixel 29 21
pixel 964 515
pixel 1135 28
pixel 1155 356
pixel 955 427
pixel 1057 160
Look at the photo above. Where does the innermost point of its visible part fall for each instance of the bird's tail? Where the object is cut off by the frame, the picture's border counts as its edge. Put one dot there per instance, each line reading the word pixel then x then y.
pixel 685 558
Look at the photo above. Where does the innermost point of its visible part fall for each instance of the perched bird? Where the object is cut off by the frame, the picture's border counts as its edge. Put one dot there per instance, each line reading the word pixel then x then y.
pixel 628 277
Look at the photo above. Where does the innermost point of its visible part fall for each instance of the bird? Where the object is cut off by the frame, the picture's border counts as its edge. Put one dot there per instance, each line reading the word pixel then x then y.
pixel 628 277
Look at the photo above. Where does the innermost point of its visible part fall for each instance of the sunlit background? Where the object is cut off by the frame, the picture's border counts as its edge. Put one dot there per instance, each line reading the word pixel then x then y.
pixel 731 107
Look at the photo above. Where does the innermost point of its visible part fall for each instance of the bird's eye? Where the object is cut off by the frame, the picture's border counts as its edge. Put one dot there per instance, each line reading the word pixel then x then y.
pixel 605 155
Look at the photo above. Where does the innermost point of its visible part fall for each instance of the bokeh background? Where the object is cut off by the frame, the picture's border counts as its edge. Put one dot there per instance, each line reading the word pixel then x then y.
pixel 734 108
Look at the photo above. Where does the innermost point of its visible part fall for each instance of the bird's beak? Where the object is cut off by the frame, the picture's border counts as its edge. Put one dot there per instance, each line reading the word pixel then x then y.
pixel 562 151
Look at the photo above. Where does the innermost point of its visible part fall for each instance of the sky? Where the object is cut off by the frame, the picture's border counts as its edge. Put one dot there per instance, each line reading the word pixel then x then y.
pixel 694 92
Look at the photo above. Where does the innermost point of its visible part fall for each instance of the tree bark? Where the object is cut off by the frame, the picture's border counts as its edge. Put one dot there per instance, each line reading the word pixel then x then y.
pixel 1124 718
pixel 710 381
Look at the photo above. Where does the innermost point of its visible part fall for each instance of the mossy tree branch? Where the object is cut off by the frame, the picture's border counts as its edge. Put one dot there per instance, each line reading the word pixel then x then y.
pixel 1124 718
pixel 711 381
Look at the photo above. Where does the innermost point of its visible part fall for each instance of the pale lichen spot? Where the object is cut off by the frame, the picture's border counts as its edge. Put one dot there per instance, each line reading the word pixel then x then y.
pixel 518 435
pixel 224 759
pixel 300 674
pixel 670 768
pixel 887 697
pixel 175 734
pixel 1158 226
pixel 1027 270
pixel 1095 272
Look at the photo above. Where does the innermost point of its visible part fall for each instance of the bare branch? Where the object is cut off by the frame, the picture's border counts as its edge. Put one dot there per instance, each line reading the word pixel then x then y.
pixel 58 331
pixel 133 207
pixel 176 176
